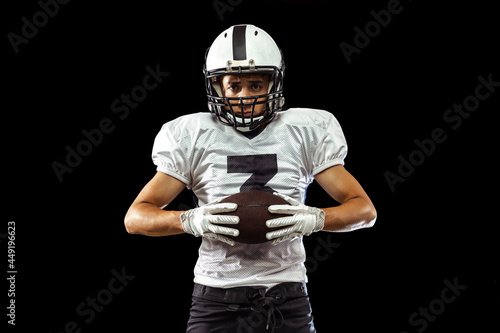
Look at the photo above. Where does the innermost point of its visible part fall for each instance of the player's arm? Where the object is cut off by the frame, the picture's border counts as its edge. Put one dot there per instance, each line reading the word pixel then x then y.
pixel 146 216
pixel 356 210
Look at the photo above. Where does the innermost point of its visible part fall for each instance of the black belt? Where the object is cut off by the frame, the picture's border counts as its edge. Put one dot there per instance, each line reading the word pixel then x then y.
pixel 246 295
pixel 262 300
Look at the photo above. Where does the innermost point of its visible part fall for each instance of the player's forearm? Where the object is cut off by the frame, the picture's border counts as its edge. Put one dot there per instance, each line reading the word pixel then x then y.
pixel 356 213
pixel 147 219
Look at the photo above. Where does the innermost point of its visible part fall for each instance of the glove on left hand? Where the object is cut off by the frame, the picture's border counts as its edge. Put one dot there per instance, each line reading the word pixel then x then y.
pixel 304 220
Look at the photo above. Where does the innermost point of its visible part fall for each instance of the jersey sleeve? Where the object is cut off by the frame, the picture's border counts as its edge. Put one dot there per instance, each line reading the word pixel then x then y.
pixel 168 154
pixel 331 148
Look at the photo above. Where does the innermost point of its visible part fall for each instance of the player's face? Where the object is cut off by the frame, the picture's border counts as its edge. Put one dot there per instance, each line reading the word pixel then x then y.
pixel 246 85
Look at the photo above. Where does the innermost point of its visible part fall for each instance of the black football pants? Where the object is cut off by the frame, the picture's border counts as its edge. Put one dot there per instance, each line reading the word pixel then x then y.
pixel 284 308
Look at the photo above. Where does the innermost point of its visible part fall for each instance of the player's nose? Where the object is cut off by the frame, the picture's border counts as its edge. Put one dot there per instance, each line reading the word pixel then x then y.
pixel 243 93
pixel 246 92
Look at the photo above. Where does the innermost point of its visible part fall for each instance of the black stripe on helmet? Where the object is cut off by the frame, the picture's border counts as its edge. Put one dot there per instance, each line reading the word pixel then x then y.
pixel 239 42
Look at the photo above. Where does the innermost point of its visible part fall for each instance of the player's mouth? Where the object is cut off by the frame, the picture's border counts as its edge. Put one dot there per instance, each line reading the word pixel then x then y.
pixel 245 113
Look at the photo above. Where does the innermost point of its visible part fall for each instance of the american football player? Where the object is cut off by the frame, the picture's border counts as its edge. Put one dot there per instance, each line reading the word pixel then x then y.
pixel 249 287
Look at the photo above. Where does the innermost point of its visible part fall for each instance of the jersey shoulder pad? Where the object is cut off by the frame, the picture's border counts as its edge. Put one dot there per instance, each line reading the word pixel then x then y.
pixel 191 123
pixel 307 117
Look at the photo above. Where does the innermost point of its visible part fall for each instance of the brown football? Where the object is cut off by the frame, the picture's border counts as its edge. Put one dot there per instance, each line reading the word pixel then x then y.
pixel 253 214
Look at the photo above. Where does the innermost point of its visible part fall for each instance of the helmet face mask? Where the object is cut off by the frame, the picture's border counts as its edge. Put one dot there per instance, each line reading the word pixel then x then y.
pixel 234 111
pixel 240 50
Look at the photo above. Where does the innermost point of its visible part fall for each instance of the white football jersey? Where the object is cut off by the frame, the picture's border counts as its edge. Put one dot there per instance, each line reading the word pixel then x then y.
pixel 216 161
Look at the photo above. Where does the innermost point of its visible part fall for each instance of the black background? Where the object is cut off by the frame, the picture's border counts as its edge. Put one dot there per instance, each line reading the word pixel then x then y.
pixel 440 224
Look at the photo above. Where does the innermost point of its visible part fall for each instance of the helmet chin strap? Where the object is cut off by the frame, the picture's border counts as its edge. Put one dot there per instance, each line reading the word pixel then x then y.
pixel 244 129
pixel 240 120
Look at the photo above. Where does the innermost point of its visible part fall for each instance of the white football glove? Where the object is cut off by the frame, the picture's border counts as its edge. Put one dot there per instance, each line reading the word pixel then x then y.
pixel 304 220
pixel 201 222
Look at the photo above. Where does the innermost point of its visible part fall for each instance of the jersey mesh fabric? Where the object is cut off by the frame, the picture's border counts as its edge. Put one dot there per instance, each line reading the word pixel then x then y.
pixel 216 161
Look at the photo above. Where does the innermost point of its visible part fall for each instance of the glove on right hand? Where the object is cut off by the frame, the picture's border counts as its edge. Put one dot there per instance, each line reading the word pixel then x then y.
pixel 201 222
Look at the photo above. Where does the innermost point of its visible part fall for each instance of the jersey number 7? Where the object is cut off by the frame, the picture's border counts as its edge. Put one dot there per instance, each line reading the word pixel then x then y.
pixel 263 167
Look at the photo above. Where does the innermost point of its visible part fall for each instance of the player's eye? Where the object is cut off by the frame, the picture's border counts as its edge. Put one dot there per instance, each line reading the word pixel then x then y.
pixel 256 87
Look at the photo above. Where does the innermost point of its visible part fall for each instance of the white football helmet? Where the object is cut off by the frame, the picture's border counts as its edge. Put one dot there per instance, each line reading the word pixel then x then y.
pixel 244 49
